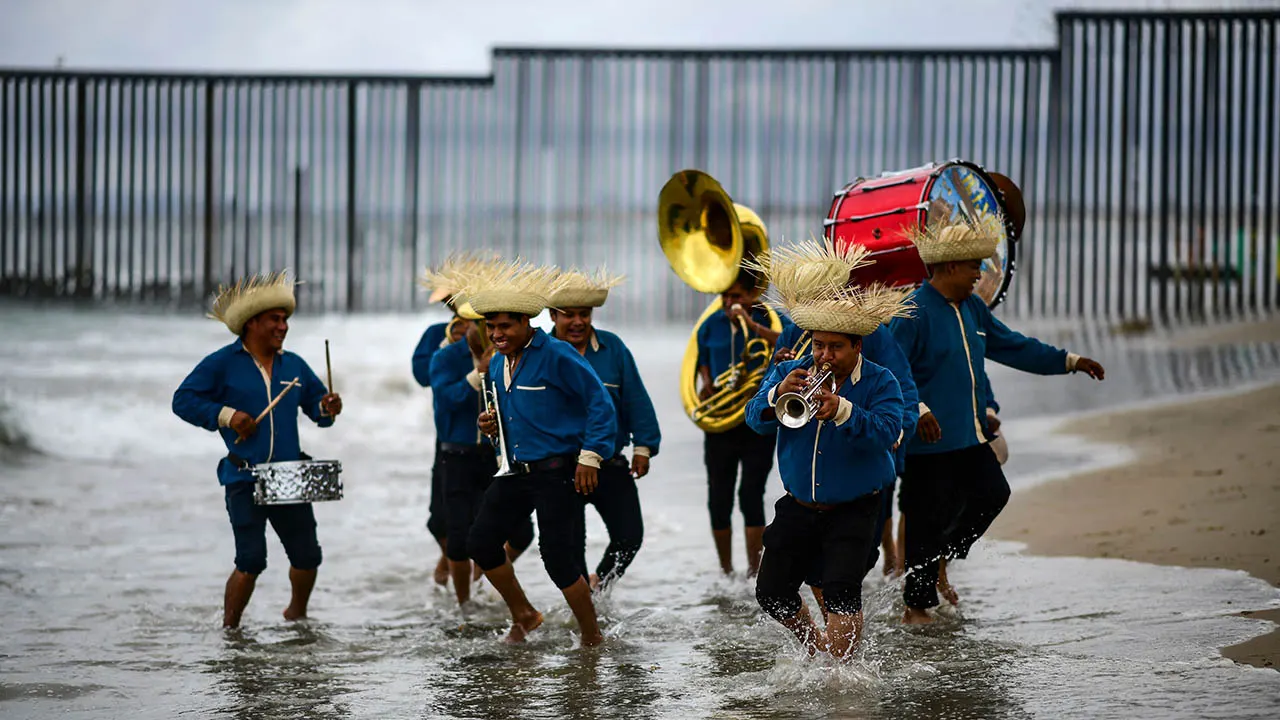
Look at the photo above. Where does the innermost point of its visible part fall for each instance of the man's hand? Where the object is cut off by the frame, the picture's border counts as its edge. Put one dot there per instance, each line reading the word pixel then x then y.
pixel 783 354
pixel 793 382
pixel 482 362
pixel 331 404
pixel 928 428
pixel 243 424
pixel 993 422
pixel 1091 368
pixel 737 311
pixel 488 424
pixel 585 479
pixel 828 405
pixel 639 465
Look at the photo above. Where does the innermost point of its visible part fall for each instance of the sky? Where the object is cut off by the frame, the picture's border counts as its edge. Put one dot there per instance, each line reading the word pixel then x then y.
pixel 453 37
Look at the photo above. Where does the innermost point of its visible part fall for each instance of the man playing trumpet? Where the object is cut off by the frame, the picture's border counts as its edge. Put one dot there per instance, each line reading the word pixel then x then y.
pixel 838 417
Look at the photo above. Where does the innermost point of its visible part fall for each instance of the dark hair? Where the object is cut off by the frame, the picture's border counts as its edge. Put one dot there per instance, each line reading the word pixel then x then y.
pixel 748 280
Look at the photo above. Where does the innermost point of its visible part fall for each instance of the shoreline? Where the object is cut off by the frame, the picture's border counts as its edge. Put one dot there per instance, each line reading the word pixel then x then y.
pixel 1203 490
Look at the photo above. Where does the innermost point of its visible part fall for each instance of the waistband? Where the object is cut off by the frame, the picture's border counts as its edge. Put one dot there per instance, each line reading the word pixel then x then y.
pixel 552 463
pixel 825 507
pixel 617 461
pixel 464 448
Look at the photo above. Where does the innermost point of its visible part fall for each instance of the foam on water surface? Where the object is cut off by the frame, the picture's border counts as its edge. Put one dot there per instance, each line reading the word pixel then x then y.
pixel 114 546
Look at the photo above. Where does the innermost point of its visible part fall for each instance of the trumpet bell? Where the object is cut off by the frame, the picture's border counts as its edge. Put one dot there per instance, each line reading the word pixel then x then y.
pixel 793 412
pixel 704 233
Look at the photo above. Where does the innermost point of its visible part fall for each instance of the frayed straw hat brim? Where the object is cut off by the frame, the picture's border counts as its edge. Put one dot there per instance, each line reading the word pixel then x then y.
pixel 579 297
pixel 508 301
pixel 834 316
pixel 236 305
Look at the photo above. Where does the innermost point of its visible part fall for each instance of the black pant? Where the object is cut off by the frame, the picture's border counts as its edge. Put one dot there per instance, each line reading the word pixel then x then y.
pixel 723 453
pixel 950 499
pixel 467 475
pixel 814 578
pixel 295 525
pixel 835 540
pixel 617 500
pixel 562 533
pixel 437 523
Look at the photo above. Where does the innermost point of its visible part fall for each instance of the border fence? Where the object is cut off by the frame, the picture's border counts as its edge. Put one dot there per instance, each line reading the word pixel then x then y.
pixel 1145 145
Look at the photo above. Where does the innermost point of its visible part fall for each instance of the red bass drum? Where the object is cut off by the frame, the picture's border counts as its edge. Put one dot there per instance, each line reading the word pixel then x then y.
pixel 880 213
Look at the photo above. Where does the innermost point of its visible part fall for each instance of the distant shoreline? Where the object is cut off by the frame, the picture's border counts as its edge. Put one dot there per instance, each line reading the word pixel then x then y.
pixel 1204 491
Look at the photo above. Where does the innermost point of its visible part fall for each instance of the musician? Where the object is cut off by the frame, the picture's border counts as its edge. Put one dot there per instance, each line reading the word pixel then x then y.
pixel 720 345
pixel 225 393
pixel 437 336
pixel 557 425
pixel 953 486
pixel 616 498
pixel 835 467
pixel 465 458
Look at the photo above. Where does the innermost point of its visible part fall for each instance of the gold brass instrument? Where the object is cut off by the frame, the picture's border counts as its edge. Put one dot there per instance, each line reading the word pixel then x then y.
pixel 706 236
pixel 796 409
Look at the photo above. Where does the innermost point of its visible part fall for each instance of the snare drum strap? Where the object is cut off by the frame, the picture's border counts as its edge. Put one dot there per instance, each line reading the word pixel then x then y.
pixel 243 464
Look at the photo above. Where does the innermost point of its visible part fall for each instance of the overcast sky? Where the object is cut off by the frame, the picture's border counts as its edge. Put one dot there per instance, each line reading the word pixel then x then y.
pixel 455 36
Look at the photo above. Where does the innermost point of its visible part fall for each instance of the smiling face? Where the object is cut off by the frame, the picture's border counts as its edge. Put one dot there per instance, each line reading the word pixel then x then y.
pixel 267 329
pixel 840 350
pixel 509 332
pixel 573 325
pixel 957 280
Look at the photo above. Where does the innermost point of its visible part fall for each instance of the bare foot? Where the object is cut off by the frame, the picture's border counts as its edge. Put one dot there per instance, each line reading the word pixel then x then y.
pixel 592 640
pixel 291 613
pixel 890 563
pixel 944 586
pixel 595 582
pixel 520 628
pixel 442 571
pixel 916 617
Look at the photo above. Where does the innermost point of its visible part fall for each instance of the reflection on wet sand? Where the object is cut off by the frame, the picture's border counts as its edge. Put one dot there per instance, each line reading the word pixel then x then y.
pixel 284 678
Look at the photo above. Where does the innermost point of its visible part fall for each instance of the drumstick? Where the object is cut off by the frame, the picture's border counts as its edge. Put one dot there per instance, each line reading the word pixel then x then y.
pixel 327 366
pixel 272 404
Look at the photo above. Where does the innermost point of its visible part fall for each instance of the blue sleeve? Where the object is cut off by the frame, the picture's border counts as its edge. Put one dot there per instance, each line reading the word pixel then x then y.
pixel 891 357
pixel 450 392
pixel 643 420
pixel 194 400
pixel 906 332
pixel 991 397
pixel 759 413
pixel 877 425
pixel 790 333
pixel 703 360
pixel 427 347
pixel 602 422
pixel 312 392
pixel 1012 348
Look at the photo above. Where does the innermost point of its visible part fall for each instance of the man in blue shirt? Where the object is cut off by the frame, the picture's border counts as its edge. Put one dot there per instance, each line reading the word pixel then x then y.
pixel 437 336
pixel 720 345
pixel 953 486
pixel 616 498
pixel 225 392
pixel 834 466
pixel 554 423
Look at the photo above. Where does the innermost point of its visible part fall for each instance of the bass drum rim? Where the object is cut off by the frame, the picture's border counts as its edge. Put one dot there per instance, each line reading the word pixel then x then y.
pixel 689 371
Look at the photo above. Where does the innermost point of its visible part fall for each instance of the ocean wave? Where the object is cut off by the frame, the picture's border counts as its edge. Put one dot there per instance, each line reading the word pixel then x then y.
pixel 15 443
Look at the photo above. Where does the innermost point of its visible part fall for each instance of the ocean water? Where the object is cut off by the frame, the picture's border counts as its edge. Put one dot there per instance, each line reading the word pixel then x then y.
pixel 114 547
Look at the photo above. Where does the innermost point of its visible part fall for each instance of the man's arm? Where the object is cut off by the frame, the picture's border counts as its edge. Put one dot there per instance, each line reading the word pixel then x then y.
pixel 1012 348
pixel 759 413
pixel 889 355
pixel 452 390
pixel 907 333
pixel 427 347
pixel 195 400
pixel 313 391
pixel 879 424
pixel 602 422
pixel 646 436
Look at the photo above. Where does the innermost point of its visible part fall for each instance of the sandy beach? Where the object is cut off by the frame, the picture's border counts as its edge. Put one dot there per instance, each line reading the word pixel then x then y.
pixel 1204 492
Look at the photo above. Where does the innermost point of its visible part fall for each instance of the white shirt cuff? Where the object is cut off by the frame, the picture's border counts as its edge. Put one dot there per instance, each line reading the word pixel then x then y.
pixel 588 458
pixel 924 410
pixel 772 390
pixel 1072 359
pixel 473 379
pixel 641 450
pixel 842 415
pixel 225 415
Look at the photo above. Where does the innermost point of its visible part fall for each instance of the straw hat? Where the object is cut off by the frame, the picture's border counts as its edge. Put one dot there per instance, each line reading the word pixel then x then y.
pixel 237 304
pixel 959 240
pixel 445 280
pixel 810 282
pixel 582 290
pixel 514 287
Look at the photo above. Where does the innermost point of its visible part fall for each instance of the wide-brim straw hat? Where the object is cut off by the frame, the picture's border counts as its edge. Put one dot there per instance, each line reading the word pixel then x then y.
pixel 509 287
pixel 852 311
pixel 958 241
pixel 579 289
pixel 237 304
pixel 445 279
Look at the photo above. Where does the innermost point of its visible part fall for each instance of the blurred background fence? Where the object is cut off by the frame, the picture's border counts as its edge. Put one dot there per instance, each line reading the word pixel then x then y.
pixel 1145 144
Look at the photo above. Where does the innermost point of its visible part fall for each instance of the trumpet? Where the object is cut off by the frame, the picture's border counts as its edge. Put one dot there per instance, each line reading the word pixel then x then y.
pixel 490 392
pixel 796 409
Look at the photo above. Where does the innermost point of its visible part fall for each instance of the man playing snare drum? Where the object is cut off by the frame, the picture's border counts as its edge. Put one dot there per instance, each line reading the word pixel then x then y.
pixel 225 393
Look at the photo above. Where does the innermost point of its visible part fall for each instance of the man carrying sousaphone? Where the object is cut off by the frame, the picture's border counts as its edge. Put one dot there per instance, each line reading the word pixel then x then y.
pixel 952 485
pixel 250 392
pixel 838 416
pixel 553 424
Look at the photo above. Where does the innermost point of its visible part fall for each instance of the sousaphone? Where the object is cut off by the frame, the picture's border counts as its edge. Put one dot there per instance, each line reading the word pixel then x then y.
pixel 706 236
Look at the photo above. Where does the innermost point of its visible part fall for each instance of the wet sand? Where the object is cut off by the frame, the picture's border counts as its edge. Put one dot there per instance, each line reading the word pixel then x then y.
pixel 1204 492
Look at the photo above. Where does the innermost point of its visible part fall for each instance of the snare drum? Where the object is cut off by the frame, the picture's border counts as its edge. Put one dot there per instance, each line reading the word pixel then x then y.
pixel 299 481
pixel 879 213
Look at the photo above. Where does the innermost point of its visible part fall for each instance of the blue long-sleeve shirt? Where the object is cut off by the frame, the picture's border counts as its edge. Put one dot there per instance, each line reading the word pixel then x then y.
pixel 555 405
pixel 455 402
pixel 832 462
pixel 947 345
pixel 882 349
pixel 720 342
pixel 229 379
pixel 431 341
pixel 616 368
